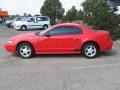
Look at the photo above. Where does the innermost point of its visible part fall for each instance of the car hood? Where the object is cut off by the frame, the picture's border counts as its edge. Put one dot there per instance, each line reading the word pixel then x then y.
pixel 9 21
pixel 26 36
pixel 19 22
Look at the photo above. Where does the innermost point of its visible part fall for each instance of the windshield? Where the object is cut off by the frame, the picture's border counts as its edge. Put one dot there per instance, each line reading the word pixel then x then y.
pixel 16 19
pixel 24 19
pixel 43 32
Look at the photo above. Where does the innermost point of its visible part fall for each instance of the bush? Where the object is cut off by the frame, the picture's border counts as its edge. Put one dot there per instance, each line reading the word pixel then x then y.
pixel 115 34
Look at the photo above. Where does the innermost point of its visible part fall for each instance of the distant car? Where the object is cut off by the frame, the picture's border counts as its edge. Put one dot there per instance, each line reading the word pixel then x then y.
pixel 35 22
pixel 64 38
pixel 1 21
pixel 9 23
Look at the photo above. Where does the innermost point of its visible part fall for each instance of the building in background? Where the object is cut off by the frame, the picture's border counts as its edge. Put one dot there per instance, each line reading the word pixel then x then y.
pixel 3 15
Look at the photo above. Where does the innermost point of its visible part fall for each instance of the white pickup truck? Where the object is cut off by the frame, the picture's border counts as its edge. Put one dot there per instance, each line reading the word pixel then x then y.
pixel 36 22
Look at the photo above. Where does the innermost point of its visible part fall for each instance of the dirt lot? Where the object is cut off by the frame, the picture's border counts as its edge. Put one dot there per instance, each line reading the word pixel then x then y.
pixel 58 72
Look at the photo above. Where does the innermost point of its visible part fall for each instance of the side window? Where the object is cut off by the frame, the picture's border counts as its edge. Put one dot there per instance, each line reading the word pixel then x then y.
pixel 65 31
pixel 45 19
pixel 55 31
pixel 42 19
pixel 32 19
pixel 39 19
pixel 77 31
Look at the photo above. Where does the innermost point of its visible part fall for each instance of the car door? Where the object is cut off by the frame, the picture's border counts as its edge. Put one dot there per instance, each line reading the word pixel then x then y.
pixel 39 22
pixel 61 39
pixel 32 23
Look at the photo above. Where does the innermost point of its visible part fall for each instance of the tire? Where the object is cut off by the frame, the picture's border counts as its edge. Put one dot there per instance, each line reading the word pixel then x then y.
pixel 25 50
pixel 9 25
pixel 24 28
pixel 90 50
pixel 45 27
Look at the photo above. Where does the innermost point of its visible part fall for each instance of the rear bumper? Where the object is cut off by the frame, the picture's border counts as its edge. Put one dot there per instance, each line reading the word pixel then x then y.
pixel 49 25
pixel 107 46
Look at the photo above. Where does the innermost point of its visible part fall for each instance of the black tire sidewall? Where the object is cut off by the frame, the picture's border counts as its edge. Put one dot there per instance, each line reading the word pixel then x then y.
pixel 83 50
pixel 25 44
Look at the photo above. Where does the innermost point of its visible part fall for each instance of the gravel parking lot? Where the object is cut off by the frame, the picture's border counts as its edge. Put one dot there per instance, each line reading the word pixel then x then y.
pixel 58 72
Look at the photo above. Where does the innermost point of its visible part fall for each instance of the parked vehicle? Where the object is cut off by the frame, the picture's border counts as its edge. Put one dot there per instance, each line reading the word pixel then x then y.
pixel 1 21
pixel 36 22
pixel 10 23
pixel 64 38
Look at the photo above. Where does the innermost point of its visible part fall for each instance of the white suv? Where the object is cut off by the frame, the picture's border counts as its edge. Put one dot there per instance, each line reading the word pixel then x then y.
pixel 36 22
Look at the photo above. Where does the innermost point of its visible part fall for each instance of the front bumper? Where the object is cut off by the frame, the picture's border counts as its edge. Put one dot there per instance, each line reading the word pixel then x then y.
pixel 17 27
pixel 10 47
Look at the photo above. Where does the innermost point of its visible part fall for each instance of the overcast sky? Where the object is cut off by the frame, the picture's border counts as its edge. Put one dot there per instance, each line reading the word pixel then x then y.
pixel 33 6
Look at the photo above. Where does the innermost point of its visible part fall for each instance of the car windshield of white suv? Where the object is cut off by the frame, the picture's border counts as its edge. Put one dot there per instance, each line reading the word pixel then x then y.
pixel 24 19
pixel 16 19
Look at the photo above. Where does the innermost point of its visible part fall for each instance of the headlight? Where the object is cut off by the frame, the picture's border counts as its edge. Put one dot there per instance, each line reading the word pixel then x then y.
pixel 10 42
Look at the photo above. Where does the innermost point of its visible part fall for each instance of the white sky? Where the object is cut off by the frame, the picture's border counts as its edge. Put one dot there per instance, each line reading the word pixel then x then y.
pixel 33 6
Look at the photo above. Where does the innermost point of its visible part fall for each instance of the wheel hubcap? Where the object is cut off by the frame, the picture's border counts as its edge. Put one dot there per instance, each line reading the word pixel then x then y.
pixel 90 51
pixel 23 28
pixel 45 27
pixel 25 51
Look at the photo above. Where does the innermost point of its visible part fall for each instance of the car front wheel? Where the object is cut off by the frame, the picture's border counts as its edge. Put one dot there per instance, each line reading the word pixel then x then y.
pixel 45 27
pixel 25 50
pixel 90 50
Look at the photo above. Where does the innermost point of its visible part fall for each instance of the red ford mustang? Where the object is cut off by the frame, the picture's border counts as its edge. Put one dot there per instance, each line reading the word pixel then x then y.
pixel 66 38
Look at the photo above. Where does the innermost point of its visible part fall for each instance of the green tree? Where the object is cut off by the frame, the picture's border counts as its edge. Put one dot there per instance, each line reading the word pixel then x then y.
pixel 100 15
pixel 71 14
pixel 80 15
pixel 53 9
pixel 25 15
pixel 29 15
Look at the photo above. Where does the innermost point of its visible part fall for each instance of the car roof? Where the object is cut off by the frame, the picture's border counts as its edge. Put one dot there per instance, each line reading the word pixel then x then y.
pixel 85 29
pixel 67 24
pixel 40 16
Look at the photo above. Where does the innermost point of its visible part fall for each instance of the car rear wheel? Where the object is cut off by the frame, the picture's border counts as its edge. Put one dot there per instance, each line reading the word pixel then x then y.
pixel 25 50
pixel 45 27
pixel 23 28
pixel 90 50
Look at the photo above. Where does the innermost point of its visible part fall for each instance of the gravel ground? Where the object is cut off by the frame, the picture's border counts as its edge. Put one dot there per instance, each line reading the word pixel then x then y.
pixel 58 72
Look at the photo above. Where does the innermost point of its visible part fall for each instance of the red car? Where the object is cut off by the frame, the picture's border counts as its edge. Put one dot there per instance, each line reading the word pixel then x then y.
pixel 66 38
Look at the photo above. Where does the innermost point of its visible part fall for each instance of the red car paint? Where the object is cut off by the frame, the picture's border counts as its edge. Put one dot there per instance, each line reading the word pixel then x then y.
pixel 62 44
